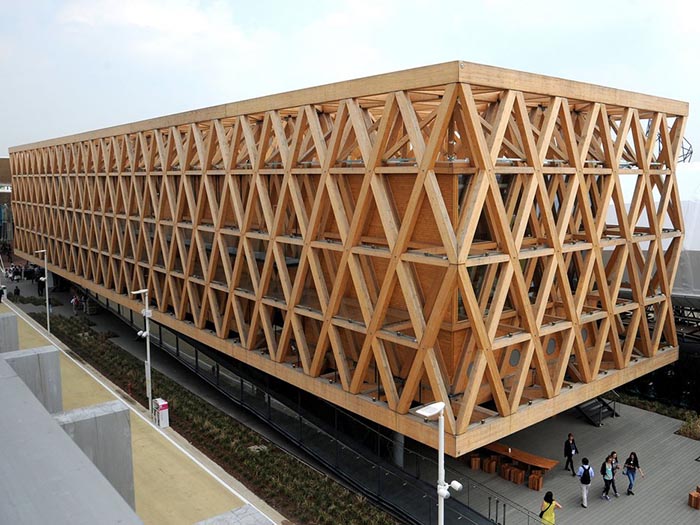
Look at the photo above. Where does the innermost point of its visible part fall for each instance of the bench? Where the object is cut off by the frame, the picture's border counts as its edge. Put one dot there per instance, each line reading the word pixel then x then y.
pixel 529 459
pixel 541 464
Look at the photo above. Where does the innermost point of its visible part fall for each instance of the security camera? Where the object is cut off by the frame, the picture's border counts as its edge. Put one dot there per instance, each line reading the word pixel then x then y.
pixel 444 493
pixel 456 485
pixel 142 333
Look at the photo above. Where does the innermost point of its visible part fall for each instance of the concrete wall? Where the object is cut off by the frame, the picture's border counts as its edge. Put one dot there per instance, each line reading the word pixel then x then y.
pixel 103 433
pixel 9 335
pixel 40 369
pixel 45 476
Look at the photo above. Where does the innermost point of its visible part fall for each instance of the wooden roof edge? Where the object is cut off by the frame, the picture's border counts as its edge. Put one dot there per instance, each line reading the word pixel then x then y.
pixel 496 77
pixel 416 78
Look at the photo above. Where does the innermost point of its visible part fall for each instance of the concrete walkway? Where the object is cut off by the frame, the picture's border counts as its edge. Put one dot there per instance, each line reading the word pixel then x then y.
pixel 174 482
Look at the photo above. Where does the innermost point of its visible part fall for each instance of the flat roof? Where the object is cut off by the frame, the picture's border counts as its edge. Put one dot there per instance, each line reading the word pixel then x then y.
pixel 44 476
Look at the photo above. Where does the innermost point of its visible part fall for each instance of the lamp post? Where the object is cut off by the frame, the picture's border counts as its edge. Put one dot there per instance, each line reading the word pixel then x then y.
pixel 46 288
pixel 443 492
pixel 146 312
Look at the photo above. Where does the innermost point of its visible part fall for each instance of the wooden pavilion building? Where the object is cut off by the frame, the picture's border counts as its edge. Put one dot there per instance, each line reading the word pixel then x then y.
pixel 455 232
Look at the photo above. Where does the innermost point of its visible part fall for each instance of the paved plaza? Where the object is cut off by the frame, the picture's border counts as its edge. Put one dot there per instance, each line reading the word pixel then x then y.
pixel 671 464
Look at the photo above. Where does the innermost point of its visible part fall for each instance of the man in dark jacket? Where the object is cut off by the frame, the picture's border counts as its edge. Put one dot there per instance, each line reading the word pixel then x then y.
pixel 570 450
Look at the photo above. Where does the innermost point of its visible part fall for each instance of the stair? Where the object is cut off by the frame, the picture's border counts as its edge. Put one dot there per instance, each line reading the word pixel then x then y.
pixel 596 410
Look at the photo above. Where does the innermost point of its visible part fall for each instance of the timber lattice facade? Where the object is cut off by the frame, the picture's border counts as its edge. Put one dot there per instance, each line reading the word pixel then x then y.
pixel 440 233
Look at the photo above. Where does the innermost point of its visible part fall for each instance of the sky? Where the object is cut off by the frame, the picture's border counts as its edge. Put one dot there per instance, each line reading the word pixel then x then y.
pixel 76 65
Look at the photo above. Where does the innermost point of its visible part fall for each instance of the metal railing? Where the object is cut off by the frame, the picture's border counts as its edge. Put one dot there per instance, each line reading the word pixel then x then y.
pixel 346 444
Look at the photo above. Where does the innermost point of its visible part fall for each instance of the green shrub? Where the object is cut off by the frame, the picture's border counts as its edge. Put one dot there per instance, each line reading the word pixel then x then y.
pixel 691 427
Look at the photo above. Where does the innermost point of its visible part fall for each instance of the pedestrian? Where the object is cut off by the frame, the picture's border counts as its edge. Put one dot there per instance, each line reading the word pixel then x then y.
pixel 606 470
pixel 585 475
pixel 630 470
pixel 570 450
pixel 615 468
pixel 2 292
pixel 549 505
pixel 16 292
pixel 75 302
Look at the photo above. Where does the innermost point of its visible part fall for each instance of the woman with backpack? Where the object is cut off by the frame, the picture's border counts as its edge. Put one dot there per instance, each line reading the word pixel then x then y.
pixel 606 470
pixel 585 475
pixel 630 470
pixel 548 507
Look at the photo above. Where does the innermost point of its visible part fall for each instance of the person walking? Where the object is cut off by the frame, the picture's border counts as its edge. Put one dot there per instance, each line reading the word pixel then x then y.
pixel 606 470
pixel 75 302
pixel 570 450
pixel 630 470
pixel 585 475
pixel 549 505
pixel 615 468
pixel 2 292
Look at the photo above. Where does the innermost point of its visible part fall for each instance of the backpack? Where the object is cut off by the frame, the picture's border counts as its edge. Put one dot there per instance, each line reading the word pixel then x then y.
pixel 602 469
pixel 586 476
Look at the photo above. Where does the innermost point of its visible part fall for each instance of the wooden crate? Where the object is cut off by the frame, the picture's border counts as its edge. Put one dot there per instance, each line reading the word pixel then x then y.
pixel 489 466
pixel 694 499
pixel 475 462
pixel 506 471
pixel 518 476
pixel 535 481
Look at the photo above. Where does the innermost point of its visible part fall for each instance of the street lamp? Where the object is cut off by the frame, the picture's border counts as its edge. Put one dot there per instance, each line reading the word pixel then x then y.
pixel 46 288
pixel 443 492
pixel 146 334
